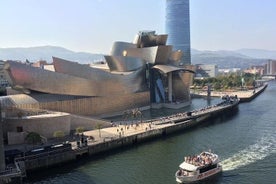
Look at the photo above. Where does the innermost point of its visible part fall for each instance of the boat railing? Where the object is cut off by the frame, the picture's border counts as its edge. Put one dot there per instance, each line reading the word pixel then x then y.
pixel 182 172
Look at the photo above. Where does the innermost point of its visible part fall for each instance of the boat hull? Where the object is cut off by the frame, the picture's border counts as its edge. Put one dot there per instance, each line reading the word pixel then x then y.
pixel 202 176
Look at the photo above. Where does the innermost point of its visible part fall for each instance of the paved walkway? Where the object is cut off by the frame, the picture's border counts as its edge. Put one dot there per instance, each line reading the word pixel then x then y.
pixel 117 131
pixel 240 94
pixel 127 128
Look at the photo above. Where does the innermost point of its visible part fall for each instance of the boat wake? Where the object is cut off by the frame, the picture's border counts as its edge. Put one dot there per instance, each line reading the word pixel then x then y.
pixel 263 148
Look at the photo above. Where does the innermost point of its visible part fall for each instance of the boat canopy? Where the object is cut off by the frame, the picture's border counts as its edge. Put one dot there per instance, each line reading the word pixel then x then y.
pixel 188 167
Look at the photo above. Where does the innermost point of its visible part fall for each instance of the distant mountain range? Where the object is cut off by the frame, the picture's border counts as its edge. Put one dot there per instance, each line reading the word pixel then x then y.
pixel 34 54
pixel 258 53
pixel 242 58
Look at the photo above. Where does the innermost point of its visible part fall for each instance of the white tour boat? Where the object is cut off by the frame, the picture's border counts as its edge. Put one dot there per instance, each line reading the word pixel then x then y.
pixel 198 167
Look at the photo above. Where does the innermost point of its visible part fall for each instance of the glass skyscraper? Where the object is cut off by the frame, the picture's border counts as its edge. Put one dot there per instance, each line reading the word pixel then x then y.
pixel 178 27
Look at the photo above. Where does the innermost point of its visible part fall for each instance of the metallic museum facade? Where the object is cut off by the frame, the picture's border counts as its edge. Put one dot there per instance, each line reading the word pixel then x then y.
pixel 141 74
pixel 178 27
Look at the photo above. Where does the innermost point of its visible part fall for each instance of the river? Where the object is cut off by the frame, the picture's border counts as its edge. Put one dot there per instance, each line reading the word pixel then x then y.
pixel 245 142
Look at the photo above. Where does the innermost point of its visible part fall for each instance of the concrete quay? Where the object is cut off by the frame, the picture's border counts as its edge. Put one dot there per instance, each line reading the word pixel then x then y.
pixel 254 93
pixel 128 134
pixel 244 96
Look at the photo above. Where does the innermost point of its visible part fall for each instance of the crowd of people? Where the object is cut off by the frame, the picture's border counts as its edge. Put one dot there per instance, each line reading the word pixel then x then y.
pixel 200 160
pixel 183 115
pixel 122 128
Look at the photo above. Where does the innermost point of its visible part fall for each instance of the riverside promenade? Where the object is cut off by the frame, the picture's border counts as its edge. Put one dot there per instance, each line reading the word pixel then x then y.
pixel 244 96
pixel 128 132
pixel 120 135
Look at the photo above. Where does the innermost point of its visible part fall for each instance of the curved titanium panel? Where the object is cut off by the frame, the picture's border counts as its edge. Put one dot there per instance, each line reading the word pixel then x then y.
pixel 176 56
pixel 187 77
pixel 123 64
pixel 190 68
pixel 129 82
pixel 161 39
pixel 181 85
pixel 119 47
pixel 155 55
pixel 163 54
pixel 181 90
pixel 181 80
pixel 167 68
pixel 150 39
pixel 37 79
pixel 147 54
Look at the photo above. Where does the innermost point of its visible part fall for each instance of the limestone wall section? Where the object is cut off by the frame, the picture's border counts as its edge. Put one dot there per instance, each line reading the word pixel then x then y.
pixel 87 123
pixel 45 126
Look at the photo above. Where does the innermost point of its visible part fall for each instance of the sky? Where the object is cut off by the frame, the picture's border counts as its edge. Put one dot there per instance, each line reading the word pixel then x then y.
pixel 94 25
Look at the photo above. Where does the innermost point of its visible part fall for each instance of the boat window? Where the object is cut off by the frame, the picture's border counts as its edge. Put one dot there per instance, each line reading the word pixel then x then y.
pixel 204 169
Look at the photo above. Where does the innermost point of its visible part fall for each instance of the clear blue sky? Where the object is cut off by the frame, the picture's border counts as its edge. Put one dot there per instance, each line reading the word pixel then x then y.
pixel 93 25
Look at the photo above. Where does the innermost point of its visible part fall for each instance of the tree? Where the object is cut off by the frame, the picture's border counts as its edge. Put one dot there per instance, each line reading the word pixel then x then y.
pixel 79 130
pixel 229 81
pixel 217 86
pixel 59 134
pixel 126 115
pixel 33 138
pixel 99 126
